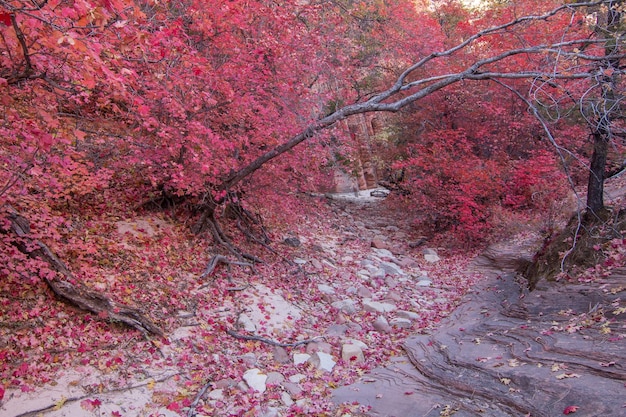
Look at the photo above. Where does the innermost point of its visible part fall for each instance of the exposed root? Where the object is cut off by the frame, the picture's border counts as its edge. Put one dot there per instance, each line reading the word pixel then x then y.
pixel 217 259
pixel 270 341
pixel 68 288
pixel 192 408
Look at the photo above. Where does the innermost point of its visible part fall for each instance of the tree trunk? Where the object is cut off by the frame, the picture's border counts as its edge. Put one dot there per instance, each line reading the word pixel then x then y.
pixel 595 185
pixel 605 109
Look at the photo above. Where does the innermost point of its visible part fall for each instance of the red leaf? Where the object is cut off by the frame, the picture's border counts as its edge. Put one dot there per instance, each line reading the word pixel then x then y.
pixel 5 18
pixel 1 393
pixel 571 409
pixel 173 406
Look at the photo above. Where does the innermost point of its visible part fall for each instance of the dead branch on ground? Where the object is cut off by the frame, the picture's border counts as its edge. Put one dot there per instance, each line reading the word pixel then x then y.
pixel 67 287
pixel 270 341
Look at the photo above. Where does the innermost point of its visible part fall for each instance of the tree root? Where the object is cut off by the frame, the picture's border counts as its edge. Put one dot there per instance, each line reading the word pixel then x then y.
pixel 270 341
pixel 217 259
pixel 192 408
pixel 67 288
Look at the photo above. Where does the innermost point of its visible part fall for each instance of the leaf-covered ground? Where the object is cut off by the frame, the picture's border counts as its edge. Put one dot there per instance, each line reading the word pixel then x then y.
pixel 329 293
pixel 558 350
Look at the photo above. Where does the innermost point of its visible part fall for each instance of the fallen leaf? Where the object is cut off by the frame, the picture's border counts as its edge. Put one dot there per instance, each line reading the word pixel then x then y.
pixel 567 375
pixel 59 403
pixel 513 363
pixel 571 409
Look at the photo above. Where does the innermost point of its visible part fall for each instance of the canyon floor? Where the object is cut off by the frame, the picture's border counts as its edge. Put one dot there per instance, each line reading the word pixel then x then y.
pixel 352 314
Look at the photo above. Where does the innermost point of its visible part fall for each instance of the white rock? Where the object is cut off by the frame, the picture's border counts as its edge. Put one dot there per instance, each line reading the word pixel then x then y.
pixel 299 261
pixel 322 361
pixel 352 353
pixel 385 253
pixel 411 315
pixel 430 255
pixel 299 358
pixel 382 325
pixel 297 378
pixel 326 289
pixel 378 307
pixel 348 306
pixel 275 378
pixel 379 273
pixel 245 323
pixel 391 269
pixel 401 322
pixel 424 283
pixel 328 263
pixel 216 394
pixel 317 264
pixel 182 333
pixel 270 412
pixel 255 379
pixel 286 399
pixel 358 343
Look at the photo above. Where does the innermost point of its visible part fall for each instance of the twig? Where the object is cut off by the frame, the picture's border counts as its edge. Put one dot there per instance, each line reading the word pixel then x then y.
pixel 194 404
pixel 52 407
pixel 270 341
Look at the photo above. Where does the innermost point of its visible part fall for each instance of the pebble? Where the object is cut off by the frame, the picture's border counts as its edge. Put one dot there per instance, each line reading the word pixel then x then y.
pixel 364 292
pixel 313 347
pixel 322 361
pixel 297 378
pixel 326 289
pixel 286 399
pixel 216 394
pixel 411 315
pixel 352 353
pixel 382 325
pixel 401 322
pixel 347 306
pixel 275 378
pixel 378 307
pixel 299 358
pixel 255 379
pixel 337 330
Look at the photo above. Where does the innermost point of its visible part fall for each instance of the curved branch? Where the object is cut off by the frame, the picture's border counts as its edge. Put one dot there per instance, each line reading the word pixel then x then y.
pixel 394 98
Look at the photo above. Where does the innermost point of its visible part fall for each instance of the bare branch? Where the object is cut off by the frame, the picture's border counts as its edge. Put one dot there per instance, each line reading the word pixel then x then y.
pixel 396 98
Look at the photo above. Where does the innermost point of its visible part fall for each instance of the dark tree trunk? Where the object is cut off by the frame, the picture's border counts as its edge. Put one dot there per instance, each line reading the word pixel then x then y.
pixel 595 186
pixel 606 108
